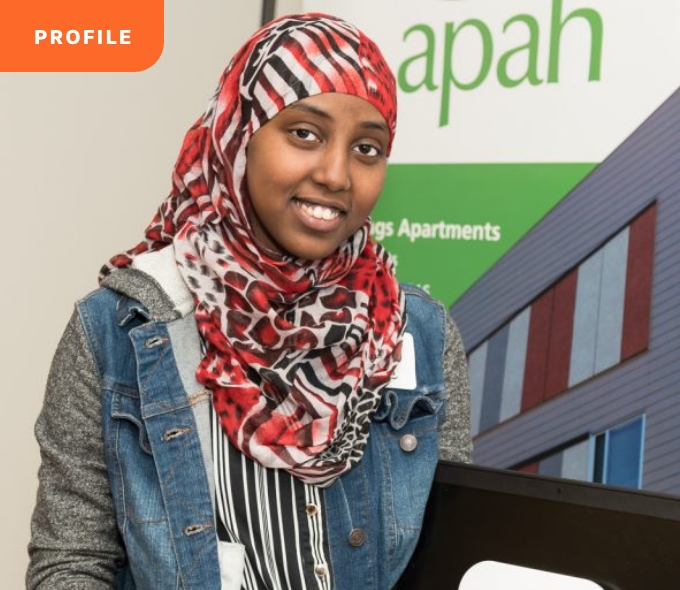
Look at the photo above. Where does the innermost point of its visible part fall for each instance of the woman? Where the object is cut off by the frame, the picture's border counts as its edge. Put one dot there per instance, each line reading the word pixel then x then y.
pixel 251 399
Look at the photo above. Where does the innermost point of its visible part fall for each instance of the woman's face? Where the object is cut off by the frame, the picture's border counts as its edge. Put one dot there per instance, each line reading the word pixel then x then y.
pixel 315 172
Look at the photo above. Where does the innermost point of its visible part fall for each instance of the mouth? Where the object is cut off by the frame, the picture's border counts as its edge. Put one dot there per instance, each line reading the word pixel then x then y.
pixel 319 216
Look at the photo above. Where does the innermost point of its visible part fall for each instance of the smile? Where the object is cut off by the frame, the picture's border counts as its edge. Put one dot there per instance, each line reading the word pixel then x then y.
pixel 318 217
pixel 319 211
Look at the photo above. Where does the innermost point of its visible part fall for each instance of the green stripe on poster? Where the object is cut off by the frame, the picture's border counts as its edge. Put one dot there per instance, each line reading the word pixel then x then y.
pixel 447 224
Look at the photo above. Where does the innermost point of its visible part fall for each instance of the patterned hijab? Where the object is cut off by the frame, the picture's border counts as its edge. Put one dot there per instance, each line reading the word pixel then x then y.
pixel 296 352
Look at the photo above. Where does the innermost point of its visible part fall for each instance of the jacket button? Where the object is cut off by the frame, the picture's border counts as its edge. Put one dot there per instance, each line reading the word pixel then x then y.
pixel 321 570
pixel 408 443
pixel 311 509
pixel 357 537
pixel 155 341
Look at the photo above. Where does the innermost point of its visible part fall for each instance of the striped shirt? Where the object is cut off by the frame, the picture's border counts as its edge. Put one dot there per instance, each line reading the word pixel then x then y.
pixel 278 519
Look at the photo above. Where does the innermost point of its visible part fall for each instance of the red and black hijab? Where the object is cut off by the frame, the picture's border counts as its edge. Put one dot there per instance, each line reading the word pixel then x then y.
pixel 296 351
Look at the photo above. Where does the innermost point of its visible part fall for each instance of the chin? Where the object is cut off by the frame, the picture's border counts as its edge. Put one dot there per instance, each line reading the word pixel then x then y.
pixel 312 252
pixel 306 255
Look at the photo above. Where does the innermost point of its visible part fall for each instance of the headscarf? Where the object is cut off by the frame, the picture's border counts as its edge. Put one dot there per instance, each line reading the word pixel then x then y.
pixel 296 352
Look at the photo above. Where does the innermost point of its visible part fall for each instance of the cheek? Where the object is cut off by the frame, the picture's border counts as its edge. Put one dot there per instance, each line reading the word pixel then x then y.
pixel 366 196
pixel 262 166
pixel 274 177
pixel 370 189
pixel 261 183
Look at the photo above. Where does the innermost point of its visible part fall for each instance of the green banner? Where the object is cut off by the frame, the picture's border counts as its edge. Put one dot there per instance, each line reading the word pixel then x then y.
pixel 447 224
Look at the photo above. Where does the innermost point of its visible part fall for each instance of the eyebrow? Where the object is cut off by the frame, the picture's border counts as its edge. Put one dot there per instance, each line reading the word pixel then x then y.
pixel 301 106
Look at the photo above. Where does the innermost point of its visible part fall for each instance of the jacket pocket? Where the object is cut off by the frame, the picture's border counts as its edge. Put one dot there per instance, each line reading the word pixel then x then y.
pixel 126 408
pixel 399 408
pixel 139 493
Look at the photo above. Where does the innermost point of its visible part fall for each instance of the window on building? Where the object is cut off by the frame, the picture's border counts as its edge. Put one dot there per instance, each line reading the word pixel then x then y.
pixel 612 457
pixel 617 459
pixel 595 317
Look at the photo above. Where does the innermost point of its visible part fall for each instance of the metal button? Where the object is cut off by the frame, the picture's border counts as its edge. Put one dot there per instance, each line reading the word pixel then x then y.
pixel 321 569
pixel 312 509
pixel 357 537
pixel 408 443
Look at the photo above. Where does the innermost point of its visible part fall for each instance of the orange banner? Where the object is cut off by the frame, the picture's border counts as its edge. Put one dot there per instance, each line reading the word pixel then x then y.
pixel 80 35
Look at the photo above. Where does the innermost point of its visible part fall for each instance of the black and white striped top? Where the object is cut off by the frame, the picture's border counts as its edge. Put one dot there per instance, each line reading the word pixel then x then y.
pixel 278 519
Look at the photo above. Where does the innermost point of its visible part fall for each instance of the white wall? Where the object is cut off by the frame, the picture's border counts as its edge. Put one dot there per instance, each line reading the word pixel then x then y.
pixel 288 6
pixel 84 161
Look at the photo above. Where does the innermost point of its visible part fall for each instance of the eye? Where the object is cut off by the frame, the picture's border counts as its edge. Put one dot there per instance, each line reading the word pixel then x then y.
pixel 368 149
pixel 304 134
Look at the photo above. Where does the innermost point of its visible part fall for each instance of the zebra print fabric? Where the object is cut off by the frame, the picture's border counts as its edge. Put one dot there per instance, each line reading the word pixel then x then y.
pixel 296 351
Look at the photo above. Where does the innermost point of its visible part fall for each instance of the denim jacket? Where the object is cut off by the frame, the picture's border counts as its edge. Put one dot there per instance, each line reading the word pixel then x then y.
pixel 155 424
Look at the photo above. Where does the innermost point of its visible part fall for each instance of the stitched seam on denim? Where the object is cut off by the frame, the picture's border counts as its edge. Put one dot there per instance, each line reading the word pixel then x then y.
pixel 180 500
pixel 121 481
pixel 388 498
pixel 88 328
pixel 119 388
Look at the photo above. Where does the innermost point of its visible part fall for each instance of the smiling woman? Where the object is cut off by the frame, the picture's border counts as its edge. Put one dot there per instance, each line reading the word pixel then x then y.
pixel 315 172
pixel 251 399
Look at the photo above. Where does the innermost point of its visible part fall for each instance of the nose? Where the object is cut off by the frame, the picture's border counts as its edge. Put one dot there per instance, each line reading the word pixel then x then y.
pixel 332 169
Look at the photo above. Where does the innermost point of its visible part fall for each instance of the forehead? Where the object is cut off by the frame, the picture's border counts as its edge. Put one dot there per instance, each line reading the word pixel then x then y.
pixel 339 107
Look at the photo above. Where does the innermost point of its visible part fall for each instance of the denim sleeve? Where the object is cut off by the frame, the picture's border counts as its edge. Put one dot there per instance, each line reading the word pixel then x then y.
pixel 455 441
pixel 74 539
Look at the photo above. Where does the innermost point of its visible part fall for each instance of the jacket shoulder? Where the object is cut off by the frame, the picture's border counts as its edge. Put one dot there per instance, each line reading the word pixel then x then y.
pixel 411 290
pixel 421 306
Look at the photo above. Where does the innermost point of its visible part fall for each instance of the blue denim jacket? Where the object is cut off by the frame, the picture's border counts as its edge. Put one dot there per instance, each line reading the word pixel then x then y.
pixel 157 439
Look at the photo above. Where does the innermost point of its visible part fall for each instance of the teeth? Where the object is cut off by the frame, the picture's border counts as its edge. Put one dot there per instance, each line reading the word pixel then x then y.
pixel 319 212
